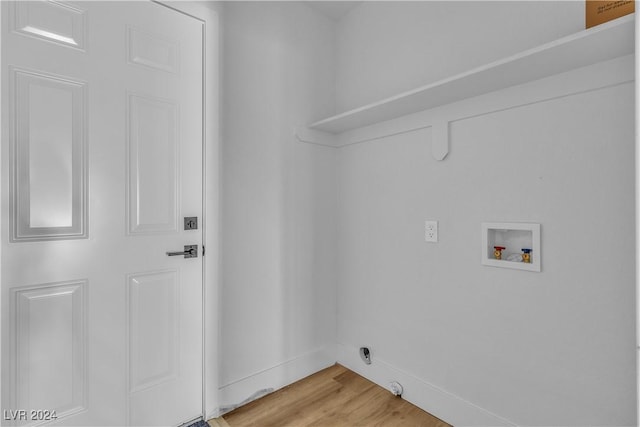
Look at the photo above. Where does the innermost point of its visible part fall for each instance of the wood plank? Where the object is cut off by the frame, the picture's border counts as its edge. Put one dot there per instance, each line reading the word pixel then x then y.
pixel 333 397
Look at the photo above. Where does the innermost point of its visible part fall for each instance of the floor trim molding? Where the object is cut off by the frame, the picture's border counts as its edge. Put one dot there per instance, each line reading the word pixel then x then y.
pixel 429 397
pixel 271 379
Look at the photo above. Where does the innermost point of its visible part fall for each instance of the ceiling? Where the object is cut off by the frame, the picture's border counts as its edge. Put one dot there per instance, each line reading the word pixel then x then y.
pixel 334 9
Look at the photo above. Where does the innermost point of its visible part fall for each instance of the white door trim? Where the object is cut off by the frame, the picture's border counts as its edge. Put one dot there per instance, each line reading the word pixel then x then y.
pixel 2 136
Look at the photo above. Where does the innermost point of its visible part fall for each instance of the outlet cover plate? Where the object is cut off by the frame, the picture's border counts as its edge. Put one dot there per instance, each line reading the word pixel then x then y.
pixel 431 231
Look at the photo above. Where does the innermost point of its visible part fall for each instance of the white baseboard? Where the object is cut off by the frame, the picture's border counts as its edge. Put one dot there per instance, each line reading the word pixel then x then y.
pixel 440 403
pixel 273 378
pixel 444 405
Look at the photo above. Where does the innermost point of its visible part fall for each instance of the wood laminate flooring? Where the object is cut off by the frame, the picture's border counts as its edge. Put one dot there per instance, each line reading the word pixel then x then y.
pixel 333 397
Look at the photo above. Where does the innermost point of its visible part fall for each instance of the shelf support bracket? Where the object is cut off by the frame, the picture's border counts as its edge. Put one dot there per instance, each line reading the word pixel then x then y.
pixel 440 139
pixel 316 137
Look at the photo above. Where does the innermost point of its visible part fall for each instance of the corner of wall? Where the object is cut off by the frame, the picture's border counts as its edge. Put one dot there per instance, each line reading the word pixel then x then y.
pixel 256 385
pixel 433 399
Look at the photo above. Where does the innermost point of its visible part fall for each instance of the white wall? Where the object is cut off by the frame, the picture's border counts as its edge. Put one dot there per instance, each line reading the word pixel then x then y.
pixel 386 47
pixel 518 348
pixel 278 198
pixel 475 345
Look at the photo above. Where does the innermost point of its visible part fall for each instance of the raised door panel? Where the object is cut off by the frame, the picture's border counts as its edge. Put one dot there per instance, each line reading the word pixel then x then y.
pixel 52 21
pixel 47 157
pixel 48 356
pixel 151 50
pixel 153 328
pixel 153 165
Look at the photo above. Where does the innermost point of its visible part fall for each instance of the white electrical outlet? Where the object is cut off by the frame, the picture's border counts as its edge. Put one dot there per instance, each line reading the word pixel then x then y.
pixel 431 231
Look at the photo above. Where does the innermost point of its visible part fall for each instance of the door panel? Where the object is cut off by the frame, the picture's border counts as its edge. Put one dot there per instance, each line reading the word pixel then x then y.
pixel 104 152
pixel 51 21
pixel 153 329
pixel 151 50
pixel 153 164
pixel 47 157
pixel 59 381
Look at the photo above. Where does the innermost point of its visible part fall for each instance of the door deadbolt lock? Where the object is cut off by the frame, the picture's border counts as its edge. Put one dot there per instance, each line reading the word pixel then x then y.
pixel 190 251
pixel 190 222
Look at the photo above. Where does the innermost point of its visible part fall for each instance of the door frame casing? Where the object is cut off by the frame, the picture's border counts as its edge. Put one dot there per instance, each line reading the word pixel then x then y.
pixel 209 16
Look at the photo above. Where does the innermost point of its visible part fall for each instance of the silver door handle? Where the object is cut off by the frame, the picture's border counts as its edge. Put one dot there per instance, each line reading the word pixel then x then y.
pixel 190 251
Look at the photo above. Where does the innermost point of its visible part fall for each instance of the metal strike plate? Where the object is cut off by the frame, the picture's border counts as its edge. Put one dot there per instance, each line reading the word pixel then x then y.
pixel 190 222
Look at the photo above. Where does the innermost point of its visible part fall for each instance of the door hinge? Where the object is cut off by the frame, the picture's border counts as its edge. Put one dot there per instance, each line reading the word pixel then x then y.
pixel 203 250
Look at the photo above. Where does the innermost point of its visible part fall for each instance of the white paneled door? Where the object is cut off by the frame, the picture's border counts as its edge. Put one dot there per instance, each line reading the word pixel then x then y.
pixel 101 163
